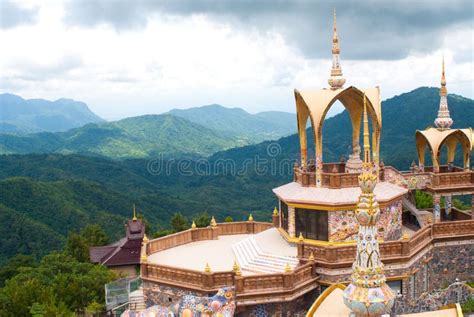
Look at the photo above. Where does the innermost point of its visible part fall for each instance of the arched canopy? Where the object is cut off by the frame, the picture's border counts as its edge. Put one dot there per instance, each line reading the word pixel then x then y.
pixel 436 138
pixel 315 104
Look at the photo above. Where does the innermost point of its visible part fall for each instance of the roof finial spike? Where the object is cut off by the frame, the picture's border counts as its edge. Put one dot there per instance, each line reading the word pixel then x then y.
pixel 134 213
pixel 443 79
pixel 366 134
pixel 443 121
pixel 336 81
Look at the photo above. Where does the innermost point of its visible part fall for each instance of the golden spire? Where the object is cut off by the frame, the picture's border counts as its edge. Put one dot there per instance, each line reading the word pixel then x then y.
pixel 207 269
pixel 288 268
pixel 443 91
pixel 275 211
pixel 193 226
pixel 134 213
pixel 335 40
pixel 366 134
pixel 336 81
pixel 443 120
pixel 145 238
pixel 250 217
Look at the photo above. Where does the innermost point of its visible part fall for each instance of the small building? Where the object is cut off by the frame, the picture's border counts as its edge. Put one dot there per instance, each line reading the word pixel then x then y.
pixel 122 256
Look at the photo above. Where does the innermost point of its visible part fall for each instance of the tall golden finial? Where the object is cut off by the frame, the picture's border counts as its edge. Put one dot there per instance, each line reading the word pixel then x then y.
pixel 193 225
pixel 443 120
pixel 336 81
pixel 250 217
pixel 275 211
pixel 443 91
pixel 288 268
pixel 134 213
pixel 366 134
pixel 207 268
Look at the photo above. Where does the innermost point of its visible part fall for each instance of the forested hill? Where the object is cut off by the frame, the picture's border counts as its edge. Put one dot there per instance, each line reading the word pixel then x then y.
pixel 136 137
pixel 18 115
pixel 257 127
pixel 40 194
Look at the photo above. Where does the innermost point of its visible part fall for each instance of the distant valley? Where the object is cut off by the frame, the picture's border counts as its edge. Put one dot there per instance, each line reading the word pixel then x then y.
pixel 52 193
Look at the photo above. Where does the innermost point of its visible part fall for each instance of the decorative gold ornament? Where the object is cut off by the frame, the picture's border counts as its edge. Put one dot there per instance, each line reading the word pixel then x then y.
pixel 250 217
pixel 193 225
pixel 311 256
pixel 275 211
pixel 143 258
pixel 213 222
pixel 288 268
pixel 207 269
pixel 301 238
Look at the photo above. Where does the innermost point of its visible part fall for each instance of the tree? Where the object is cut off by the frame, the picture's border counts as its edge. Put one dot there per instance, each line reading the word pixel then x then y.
pixel 179 222
pixel 423 200
pixel 13 266
pixel 228 219
pixel 76 246
pixel 94 235
pixel 202 220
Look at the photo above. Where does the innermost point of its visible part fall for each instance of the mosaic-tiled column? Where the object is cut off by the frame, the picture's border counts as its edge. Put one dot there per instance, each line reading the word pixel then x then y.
pixel 291 222
pixel 368 294
pixel 436 208
pixel 448 206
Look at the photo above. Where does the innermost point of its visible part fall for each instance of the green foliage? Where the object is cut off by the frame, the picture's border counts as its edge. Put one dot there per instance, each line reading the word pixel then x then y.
pixel 461 205
pixel 228 219
pixel 94 235
pixel 179 222
pixel 423 200
pixel 76 247
pixel 162 233
pixel 138 137
pixel 202 220
pixel 14 265
pixel 242 125
pixel 468 306
pixel 59 286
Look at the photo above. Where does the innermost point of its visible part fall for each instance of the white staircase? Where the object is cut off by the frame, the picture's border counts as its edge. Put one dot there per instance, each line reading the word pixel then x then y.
pixel 252 259
pixel 136 300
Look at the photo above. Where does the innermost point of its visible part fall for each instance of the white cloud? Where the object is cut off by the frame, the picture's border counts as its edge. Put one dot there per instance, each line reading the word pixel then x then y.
pixel 183 61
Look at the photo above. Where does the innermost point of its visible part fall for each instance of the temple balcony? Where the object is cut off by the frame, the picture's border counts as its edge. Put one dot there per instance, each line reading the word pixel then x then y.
pixel 333 175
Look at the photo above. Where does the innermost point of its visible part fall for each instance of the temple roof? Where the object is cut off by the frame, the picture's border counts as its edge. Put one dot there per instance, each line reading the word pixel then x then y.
pixel 125 251
pixel 296 193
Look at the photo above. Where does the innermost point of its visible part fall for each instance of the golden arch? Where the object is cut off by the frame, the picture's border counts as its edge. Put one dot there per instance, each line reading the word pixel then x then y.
pixel 435 139
pixel 315 104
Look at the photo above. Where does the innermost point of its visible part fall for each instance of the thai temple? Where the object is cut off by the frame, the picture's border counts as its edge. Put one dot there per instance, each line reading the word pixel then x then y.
pixel 346 238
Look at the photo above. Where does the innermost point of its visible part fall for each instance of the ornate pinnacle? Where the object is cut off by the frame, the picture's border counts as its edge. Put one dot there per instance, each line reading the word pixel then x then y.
pixel 443 121
pixel 213 222
pixel 368 294
pixel 250 217
pixel 145 239
pixel 288 268
pixel 311 256
pixel 275 211
pixel 301 238
pixel 207 269
pixel 193 225
pixel 134 213
pixel 236 267
pixel 336 81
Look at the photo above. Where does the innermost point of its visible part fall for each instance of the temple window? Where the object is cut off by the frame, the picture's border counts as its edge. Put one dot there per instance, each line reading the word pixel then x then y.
pixel 313 224
pixel 284 215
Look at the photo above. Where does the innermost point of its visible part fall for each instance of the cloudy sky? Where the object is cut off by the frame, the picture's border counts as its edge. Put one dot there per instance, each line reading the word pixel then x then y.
pixel 133 57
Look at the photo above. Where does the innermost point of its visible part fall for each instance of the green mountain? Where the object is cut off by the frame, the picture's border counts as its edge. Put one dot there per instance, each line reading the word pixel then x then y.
pixel 140 137
pixel 70 190
pixel 237 122
pixel 18 115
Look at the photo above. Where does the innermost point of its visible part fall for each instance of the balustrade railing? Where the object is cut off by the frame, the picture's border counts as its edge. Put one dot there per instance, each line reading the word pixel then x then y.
pixel 330 255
